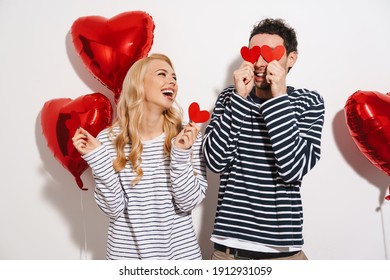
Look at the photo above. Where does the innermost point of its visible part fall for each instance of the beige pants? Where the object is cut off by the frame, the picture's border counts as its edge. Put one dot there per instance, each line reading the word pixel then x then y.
pixel 218 255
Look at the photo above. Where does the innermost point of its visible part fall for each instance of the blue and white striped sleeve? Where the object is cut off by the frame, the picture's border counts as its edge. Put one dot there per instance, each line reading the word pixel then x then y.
pixel 222 134
pixel 109 194
pixel 295 132
pixel 188 175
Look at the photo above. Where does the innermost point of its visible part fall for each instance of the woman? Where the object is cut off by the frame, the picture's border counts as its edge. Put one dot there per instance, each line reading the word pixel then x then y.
pixel 149 170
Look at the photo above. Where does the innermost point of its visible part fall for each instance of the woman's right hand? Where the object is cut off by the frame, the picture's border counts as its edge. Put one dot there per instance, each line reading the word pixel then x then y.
pixel 84 142
pixel 187 137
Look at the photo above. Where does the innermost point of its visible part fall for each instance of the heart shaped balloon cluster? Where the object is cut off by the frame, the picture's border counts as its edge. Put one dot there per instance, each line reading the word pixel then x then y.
pixel 108 48
pixel 368 121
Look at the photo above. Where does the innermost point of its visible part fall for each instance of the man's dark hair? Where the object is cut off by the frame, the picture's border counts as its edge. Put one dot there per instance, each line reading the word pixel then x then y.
pixel 278 27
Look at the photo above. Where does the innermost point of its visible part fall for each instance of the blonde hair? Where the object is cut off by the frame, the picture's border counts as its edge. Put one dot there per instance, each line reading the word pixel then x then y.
pixel 129 116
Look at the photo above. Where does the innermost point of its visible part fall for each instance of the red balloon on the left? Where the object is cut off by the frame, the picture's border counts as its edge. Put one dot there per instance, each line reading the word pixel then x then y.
pixel 109 47
pixel 61 117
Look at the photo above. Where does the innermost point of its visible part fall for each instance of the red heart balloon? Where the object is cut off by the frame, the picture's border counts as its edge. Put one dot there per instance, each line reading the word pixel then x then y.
pixel 251 55
pixel 269 54
pixel 108 47
pixel 196 115
pixel 61 117
pixel 368 121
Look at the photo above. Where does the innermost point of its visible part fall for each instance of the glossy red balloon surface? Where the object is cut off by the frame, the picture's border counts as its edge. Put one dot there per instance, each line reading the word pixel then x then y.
pixel 61 117
pixel 109 47
pixel 368 120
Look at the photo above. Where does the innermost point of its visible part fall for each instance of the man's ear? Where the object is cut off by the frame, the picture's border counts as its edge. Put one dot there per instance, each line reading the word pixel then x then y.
pixel 291 59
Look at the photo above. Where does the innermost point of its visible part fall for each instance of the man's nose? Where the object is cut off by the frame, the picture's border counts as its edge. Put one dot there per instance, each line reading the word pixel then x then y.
pixel 260 62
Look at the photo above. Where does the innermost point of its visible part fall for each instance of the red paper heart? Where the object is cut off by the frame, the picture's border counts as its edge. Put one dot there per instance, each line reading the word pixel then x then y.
pixel 368 120
pixel 269 54
pixel 251 55
pixel 108 47
pixel 61 117
pixel 196 115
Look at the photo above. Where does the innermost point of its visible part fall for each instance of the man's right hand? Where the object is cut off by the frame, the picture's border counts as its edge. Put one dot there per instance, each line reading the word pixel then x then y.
pixel 243 79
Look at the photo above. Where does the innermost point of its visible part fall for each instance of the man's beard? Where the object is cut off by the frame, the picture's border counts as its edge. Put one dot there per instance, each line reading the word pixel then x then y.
pixel 264 86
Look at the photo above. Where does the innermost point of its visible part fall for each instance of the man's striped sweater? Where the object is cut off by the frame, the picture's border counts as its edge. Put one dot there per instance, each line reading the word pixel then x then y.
pixel 262 149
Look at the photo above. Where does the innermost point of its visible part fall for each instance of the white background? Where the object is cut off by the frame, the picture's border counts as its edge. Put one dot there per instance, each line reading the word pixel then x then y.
pixel 343 47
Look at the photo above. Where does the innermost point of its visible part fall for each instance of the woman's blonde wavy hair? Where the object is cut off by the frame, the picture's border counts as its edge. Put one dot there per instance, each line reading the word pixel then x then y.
pixel 130 114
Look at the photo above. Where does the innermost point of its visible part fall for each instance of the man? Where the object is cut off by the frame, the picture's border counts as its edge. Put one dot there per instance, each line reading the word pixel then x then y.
pixel 263 138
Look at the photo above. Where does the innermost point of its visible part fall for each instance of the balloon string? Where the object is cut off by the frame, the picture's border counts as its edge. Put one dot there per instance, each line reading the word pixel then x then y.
pixel 385 213
pixel 84 229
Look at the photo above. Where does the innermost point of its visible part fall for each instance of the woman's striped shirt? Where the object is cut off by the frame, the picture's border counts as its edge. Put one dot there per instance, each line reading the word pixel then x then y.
pixel 262 149
pixel 152 219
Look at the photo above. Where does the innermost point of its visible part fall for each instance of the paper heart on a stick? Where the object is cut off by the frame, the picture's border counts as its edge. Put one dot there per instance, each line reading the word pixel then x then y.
pixel 250 54
pixel 196 115
pixel 269 54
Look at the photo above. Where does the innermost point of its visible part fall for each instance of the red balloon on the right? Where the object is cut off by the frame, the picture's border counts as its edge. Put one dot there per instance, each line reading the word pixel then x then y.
pixel 368 119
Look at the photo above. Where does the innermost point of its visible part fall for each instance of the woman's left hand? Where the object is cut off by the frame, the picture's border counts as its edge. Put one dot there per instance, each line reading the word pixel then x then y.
pixel 186 138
